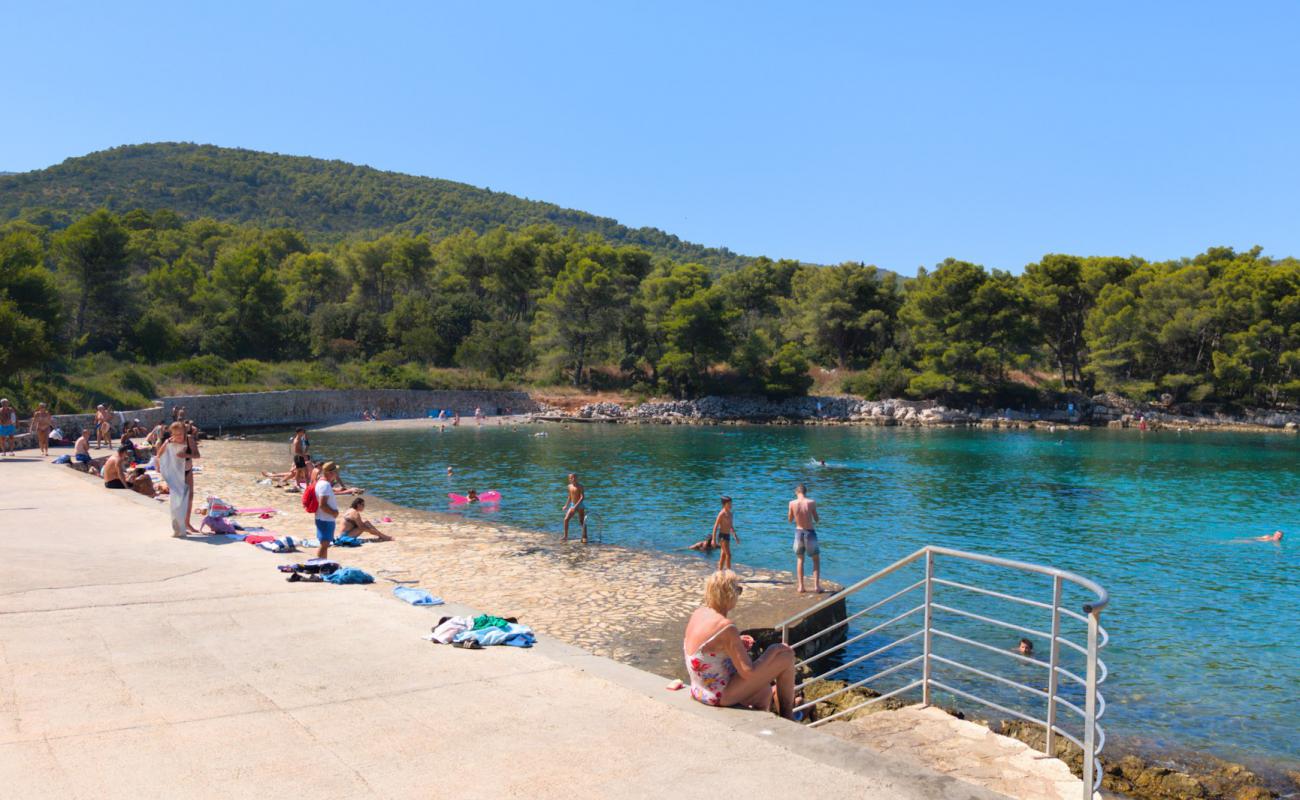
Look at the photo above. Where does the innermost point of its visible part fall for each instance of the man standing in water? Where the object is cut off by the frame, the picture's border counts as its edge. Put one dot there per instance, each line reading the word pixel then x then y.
pixel 576 504
pixel 803 513
pixel 723 529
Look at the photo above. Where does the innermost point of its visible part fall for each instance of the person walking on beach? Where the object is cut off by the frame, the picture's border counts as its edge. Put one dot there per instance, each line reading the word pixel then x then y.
pixel 327 508
pixel 723 529
pixel 8 427
pixel 576 504
pixel 42 423
pixel 103 427
pixel 803 513
pixel 175 464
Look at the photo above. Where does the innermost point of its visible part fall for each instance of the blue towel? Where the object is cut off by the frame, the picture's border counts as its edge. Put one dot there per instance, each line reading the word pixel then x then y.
pixel 350 575
pixel 416 597
pixel 347 541
pixel 63 459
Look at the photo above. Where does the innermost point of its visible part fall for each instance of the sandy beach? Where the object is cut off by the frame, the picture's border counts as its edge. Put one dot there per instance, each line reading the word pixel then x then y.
pixel 619 602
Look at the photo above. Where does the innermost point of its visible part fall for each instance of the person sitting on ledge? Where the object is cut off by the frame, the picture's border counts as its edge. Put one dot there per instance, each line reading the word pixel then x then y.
pixel 354 524
pixel 115 469
pixel 717 656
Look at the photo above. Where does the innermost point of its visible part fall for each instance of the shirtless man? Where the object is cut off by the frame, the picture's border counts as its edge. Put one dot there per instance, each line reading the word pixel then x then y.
pixel 723 529
pixel 8 427
pixel 478 416
pixel 81 450
pixel 42 423
pixel 301 450
pixel 1275 536
pixel 803 513
pixel 115 469
pixel 576 504
pixel 103 427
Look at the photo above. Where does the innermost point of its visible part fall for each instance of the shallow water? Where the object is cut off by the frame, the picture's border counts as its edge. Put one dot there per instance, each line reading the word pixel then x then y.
pixel 1205 631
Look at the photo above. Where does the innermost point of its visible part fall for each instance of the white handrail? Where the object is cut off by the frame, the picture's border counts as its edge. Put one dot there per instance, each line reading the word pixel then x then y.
pixel 1093 738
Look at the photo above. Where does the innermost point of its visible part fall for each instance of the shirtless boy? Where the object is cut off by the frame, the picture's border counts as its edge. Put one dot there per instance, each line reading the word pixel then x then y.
pixel 723 529
pixel 42 423
pixel 576 504
pixel 8 427
pixel 803 513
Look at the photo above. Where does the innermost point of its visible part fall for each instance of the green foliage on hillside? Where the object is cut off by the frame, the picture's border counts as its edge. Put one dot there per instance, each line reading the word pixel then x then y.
pixel 324 200
pixel 117 307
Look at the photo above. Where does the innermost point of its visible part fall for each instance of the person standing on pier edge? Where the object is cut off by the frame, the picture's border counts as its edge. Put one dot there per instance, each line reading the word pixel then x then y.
pixel 803 513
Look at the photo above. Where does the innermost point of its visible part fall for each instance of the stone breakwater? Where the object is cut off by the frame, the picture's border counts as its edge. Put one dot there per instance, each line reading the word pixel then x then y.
pixel 1107 410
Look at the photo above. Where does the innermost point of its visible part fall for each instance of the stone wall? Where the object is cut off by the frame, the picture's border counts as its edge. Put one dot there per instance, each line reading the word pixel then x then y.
pixel 215 412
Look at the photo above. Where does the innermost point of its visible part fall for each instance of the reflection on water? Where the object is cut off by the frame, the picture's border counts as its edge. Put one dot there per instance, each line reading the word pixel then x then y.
pixel 1205 632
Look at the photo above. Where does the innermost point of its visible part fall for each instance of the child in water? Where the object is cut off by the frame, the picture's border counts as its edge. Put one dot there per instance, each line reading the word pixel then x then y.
pixel 723 530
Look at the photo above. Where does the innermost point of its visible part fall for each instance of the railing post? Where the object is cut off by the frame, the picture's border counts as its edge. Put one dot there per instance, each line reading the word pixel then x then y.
pixel 1049 749
pixel 785 634
pixel 1090 711
pixel 929 598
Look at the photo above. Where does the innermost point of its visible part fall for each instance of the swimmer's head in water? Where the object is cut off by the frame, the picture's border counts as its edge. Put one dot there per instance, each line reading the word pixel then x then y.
pixel 1026 647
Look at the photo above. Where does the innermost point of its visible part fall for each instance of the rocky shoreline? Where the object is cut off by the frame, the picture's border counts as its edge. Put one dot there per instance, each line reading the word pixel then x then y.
pixel 1099 411
pixel 1127 772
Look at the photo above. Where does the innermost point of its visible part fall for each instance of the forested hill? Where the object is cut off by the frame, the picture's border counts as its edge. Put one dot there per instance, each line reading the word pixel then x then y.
pixel 327 200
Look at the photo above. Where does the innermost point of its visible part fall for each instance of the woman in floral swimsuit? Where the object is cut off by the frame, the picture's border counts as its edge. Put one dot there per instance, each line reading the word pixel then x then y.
pixel 717 656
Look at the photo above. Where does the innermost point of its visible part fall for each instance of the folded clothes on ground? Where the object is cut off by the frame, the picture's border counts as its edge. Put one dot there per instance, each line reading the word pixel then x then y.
pixel 284 545
pixel 315 566
pixel 258 538
pixel 416 596
pixel 349 575
pixel 447 630
pixel 347 541
pixel 488 621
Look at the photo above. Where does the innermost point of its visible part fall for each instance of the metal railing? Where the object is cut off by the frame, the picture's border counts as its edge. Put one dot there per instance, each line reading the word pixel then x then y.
pixel 932 617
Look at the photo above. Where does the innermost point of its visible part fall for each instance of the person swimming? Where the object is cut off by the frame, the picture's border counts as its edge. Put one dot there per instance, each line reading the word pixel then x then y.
pixel 1275 536
pixel 471 496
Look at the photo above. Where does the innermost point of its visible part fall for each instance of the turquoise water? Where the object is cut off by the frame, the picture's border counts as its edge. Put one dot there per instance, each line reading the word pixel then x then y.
pixel 1205 632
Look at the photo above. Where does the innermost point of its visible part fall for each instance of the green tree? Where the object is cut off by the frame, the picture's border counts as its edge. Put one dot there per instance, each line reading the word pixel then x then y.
pixel 966 326
pixel 243 306
pixel 93 257
pixel 580 313
pixel 842 314
pixel 498 347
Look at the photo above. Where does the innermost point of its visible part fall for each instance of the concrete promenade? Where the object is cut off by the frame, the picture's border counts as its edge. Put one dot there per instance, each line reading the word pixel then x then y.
pixel 135 665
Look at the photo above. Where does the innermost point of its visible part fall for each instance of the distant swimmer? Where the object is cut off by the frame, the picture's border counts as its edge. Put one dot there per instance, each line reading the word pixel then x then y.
pixel 575 504
pixel 704 545
pixel 448 472
pixel 471 496
pixel 723 529
pixel 803 513
pixel 1275 536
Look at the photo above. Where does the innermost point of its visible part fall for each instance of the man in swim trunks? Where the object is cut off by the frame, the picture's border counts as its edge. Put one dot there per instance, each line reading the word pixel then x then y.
pixel 115 467
pixel 803 513
pixel 576 504
pixel 723 529
pixel 81 450
pixel 301 450
pixel 103 427
pixel 8 427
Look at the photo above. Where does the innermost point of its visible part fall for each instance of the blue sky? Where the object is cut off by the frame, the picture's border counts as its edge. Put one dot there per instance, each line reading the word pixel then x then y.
pixel 893 133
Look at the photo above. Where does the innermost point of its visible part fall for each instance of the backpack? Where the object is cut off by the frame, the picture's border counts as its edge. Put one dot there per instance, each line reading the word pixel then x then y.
pixel 310 502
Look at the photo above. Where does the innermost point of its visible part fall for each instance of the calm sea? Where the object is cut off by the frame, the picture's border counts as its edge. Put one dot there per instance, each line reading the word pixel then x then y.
pixel 1205 631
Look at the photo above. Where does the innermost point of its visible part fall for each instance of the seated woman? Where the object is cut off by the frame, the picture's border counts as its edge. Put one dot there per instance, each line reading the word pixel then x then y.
pixel 354 524
pixel 717 656
pixel 140 481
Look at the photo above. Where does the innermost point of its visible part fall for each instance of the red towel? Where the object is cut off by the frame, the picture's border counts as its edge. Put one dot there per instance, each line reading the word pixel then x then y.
pixel 257 538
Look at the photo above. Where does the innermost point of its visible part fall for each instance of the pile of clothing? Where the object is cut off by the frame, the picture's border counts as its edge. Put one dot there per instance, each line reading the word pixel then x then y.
pixel 319 570
pixel 484 630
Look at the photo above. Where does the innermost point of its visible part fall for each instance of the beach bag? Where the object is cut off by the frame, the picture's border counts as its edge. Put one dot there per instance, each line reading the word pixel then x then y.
pixel 310 502
pixel 219 508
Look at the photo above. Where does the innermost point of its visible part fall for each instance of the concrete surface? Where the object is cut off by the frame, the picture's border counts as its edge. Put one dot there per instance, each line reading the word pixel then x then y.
pixel 932 738
pixel 135 665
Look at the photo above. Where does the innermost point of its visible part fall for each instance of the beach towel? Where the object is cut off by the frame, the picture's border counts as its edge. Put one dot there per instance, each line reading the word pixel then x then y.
pixel 488 621
pixel 449 629
pixel 258 538
pixel 284 545
pixel 349 575
pixel 172 466
pixel 512 634
pixel 416 597
pixel 347 541
pixel 63 459
pixel 267 510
